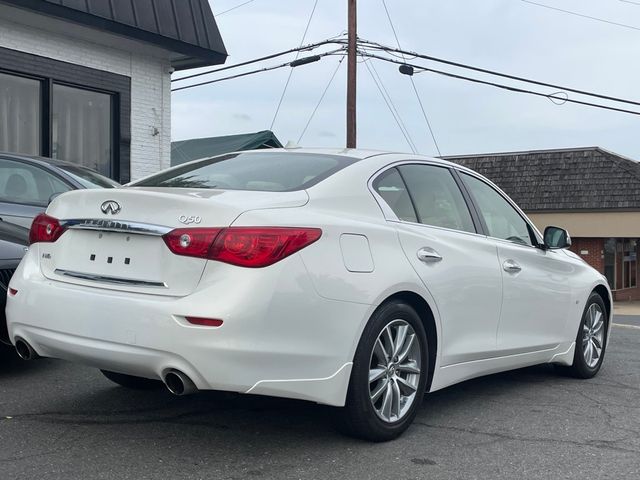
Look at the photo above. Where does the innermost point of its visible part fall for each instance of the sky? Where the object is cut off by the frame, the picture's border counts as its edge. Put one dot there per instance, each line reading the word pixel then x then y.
pixel 510 36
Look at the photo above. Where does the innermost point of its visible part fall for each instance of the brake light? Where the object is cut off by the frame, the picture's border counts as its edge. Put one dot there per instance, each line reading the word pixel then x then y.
pixel 252 247
pixel 45 229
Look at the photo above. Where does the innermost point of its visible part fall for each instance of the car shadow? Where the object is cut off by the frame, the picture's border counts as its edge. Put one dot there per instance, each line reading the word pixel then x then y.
pixel 241 417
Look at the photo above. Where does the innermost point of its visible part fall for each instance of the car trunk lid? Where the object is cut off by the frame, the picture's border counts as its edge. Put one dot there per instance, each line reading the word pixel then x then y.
pixel 113 239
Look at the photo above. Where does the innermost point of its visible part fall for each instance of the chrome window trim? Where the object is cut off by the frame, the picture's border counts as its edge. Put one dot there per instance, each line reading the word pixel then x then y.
pixel 107 279
pixel 121 226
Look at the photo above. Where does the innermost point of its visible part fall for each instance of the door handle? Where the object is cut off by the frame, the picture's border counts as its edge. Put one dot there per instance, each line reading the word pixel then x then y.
pixel 511 266
pixel 428 255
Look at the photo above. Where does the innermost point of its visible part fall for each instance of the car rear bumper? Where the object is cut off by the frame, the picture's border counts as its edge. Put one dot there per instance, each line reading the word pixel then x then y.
pixel 279 337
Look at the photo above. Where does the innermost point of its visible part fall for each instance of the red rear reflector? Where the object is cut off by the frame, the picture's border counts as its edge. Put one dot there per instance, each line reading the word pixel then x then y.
pixel 251 247
pixel 45 229
pixel 12 292
pixel 207 322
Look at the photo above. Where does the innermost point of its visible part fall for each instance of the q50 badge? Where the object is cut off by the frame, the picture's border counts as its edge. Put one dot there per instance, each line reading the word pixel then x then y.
pixel 189 219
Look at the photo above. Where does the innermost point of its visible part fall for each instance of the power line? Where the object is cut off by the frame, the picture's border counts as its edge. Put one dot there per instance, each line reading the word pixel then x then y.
pixel 498 85
pixel 303 48
pixel 384 88
pixel 293 63
pixel 602 20
pixel 424 113
pixel 286 84
pixel 405 134
pixel 387 49
pixel 629 1
pixel 233 8
pixel 320 100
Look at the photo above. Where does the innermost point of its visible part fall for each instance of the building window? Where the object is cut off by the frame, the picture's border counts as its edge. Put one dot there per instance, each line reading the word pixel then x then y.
pixel 20 113
pixel 629 263
pixel 67 111
pixel 81 127
pixel 610 261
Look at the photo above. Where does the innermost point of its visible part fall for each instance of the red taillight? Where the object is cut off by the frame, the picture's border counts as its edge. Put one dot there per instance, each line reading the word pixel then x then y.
pixel 45 229
pixel 12 292
pixel 206 322
pixel 252 247
pixel 192 242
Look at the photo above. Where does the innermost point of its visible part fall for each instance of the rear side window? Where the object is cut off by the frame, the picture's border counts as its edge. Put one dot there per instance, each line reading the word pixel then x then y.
pixel 268 171
pixel 27 184
pixel 393 191
pixel 438 200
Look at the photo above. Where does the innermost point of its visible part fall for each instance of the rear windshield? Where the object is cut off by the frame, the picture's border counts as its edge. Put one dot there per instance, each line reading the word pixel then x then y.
pixel 268 171
pixel 88 178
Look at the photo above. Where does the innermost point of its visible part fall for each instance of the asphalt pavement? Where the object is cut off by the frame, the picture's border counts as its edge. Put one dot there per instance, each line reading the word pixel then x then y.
pixel 63 421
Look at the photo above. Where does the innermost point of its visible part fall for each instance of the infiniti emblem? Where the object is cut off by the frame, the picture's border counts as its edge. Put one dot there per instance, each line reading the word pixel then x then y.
pixel 110 207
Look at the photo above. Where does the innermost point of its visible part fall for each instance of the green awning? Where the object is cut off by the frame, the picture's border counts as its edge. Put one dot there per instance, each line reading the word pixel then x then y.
pixel 186 150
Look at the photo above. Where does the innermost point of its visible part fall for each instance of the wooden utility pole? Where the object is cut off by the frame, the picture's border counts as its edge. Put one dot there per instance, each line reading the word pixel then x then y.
pixel 351 74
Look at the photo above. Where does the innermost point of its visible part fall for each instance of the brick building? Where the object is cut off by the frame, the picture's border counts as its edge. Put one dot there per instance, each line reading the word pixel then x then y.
pixel 90 81
pixel 593 193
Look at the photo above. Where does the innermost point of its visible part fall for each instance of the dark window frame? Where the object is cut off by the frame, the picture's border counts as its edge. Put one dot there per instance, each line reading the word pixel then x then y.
pixel 49 72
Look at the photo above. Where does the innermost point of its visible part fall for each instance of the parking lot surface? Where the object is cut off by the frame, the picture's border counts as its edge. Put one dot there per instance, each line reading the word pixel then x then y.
pixel 64 421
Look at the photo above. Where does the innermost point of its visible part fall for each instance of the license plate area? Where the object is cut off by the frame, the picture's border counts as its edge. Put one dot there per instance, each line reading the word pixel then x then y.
pixel 119 261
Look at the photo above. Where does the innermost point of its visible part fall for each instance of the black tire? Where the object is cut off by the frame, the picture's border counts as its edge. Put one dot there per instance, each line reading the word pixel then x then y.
pixel 135 383
pixel 580 367
pixel 359 417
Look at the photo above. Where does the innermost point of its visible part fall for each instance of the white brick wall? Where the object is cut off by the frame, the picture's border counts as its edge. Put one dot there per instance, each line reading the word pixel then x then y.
pixel 150 87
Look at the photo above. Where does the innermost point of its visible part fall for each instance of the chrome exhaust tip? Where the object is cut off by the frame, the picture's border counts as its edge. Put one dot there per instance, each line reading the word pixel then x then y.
pixel 25 351
pixel 178 383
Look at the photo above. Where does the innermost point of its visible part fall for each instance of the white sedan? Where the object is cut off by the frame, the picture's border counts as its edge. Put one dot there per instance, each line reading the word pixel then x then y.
pixel 350 278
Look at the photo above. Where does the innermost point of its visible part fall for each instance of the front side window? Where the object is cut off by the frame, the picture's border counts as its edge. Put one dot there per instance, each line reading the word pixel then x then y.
pixel 26 184
pixel 437 199
pixel 20 124
pixel 268 171
pixel 81 127
pixel 501 219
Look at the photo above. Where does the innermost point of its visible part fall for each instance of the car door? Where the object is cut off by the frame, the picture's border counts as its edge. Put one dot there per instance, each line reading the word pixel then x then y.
pixel 25 191
pixel 457 265
pixel 536 282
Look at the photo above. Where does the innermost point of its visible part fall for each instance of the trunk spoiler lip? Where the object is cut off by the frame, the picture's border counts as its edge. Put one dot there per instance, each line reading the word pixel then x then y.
pixel 122 226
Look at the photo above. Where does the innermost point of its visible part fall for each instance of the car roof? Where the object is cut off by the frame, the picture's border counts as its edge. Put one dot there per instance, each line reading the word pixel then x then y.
pixel 43 161
pixel 364 154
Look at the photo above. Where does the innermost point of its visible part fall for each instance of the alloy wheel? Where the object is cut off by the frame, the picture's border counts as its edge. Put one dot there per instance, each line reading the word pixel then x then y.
pixel 394 371
pixel 593 335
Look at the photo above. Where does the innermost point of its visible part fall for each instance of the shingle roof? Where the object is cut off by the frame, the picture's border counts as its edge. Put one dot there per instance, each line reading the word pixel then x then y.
pixel 559 180
pixel 183 26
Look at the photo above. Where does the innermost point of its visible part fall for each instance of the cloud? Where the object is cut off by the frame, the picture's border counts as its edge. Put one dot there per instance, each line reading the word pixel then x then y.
pixel 242 117
pixel 503 35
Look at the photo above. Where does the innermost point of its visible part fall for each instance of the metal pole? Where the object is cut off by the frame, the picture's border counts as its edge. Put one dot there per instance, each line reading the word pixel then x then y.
pixel 351 74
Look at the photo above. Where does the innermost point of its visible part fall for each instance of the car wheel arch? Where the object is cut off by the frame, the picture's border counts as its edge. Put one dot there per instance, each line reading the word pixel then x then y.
pixel 604 294
pixel 425 312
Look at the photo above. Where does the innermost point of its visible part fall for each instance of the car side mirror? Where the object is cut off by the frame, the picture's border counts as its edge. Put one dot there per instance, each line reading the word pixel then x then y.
pixel 556 237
